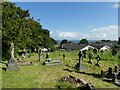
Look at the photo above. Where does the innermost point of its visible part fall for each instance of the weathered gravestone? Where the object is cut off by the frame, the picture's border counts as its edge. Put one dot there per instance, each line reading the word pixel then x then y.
pixel 63 55
pixel 40 55
pixel 47 55
pixel 79 64
pixel 52 62
pixel 84 53
pixel 109 76
pixel 98 58
pixel 116 69
pixel 90 56
pixel 95 51
pixel 12 64
pixel 117 80
pixel 114 52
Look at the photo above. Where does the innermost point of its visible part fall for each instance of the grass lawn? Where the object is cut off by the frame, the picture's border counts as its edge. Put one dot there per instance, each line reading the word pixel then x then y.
pixel 41 76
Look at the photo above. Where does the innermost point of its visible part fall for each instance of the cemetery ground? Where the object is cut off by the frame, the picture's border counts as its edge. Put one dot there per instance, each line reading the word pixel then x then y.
pixel 47 76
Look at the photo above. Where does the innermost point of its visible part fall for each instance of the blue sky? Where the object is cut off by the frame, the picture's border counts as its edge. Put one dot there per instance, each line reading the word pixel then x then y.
pixel 74 21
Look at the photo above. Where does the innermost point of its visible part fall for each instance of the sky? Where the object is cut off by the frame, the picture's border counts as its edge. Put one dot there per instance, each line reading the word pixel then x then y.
pixel 76 20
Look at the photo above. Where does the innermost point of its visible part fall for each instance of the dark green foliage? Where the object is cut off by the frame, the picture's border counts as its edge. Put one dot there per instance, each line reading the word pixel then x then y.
pixel 22 30
pixel 83 41
pixel 64 41
pixel 114 52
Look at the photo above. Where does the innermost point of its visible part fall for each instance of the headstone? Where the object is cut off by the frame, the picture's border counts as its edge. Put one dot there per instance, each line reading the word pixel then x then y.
pixel 90 58
pixel 12 65
pixel 114 52
pixel 40 55
pixel 47 55
pixel 84 53
pixel 63 55
pixel 102 73
pixel 117 80
pixel 102 52
pixel 95 51
pixel 110 76
pixel 116 69
pixel 98 58
pixel 79 64
pixel 52 62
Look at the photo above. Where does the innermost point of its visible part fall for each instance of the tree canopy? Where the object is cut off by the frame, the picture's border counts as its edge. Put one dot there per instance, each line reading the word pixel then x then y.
pixel 64 41
pixel 21 29
pixel 83 41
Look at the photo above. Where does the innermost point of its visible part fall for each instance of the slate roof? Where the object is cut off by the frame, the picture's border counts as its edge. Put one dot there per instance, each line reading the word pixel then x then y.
pixel 75 46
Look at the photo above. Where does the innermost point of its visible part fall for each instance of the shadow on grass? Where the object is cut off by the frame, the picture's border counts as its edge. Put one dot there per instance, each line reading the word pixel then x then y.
pixel 90 74
pixel 68 70
pixel 4 69
pixel 69 66
pixel 82 72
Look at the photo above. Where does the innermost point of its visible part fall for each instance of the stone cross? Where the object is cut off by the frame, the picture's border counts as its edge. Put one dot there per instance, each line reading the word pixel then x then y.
pixel 79 64
pixel 12 65
pixel 98 58
pixel 90 57
pixel 80 57
pixel 12 50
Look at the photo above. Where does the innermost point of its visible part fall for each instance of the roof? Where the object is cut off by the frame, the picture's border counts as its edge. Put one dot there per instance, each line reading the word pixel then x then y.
pixel 75 46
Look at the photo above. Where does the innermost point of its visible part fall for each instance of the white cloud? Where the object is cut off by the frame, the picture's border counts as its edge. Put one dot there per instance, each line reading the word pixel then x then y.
pixel 67 34
pixel 108 32
pixel 117 5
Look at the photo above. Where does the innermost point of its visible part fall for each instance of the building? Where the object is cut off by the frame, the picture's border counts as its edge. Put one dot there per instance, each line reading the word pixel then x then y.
pixel 81 47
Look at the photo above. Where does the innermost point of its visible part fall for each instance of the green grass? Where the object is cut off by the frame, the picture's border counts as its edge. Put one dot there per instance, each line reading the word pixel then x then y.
pixel 40 76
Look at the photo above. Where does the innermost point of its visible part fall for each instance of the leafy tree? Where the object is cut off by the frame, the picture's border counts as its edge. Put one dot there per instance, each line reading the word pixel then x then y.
pixel 64 41
pixel 19 28
pixel 83 41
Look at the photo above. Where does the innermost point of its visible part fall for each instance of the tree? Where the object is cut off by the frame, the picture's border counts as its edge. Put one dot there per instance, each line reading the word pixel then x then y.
pixel 19 28
pixel 83 41
pixel 64 41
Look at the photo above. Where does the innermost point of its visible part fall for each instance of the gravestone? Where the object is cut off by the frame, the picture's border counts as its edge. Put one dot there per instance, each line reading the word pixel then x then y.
pixel 90 56
pixel 114 52
pixel 116 69
pixel 79 64
pixel 98 58
pixel 63 55
pixel 52 62
pixel 117 80
pixel 40 55
pixel 12 64
pixel 102 73
pixel 84 53
pixel 110 76
pixel 47 55
pixel 95 51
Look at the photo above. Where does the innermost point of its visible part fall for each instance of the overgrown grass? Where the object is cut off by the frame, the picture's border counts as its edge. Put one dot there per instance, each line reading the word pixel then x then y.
pixel 40 76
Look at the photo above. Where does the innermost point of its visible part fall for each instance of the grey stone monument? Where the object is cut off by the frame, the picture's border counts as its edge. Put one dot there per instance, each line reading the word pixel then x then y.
pixel 40 55
pixel 109 76
pixel 117 80
pixel 90 57
pixel 98 58
pixel 12 64
pixel 79 64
